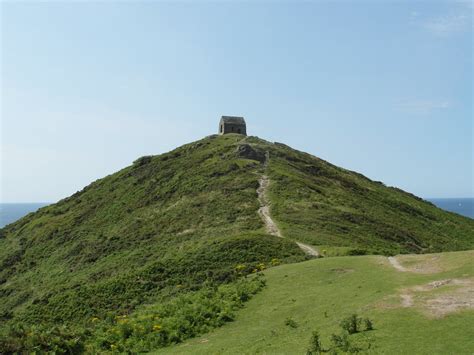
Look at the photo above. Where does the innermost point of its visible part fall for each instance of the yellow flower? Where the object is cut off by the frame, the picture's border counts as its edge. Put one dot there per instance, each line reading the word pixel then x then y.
pixel 240 267
pixel 157 327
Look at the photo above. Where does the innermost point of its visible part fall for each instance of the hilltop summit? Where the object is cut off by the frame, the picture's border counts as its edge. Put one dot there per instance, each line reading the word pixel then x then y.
pixel 190 215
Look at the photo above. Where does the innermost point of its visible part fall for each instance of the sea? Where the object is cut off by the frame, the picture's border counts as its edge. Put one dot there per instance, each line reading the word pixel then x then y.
pixel 10 212
pixel 462 206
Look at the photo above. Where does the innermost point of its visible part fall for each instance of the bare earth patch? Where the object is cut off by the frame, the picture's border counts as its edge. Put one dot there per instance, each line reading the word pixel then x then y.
pixel 413 263
pixel 455 295
pixel 407 300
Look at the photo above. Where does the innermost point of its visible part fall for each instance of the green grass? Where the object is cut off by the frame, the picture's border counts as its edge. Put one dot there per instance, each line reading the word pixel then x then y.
pixel 167 225
pixel 317 294
pixel 181 218
pixel 318 203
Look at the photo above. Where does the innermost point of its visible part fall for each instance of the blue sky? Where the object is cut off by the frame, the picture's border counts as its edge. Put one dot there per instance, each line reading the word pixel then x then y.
pixel 382 88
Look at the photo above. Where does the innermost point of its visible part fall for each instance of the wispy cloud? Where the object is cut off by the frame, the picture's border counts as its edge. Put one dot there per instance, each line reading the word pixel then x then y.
pixel 445 26
pixel 422 107
pixel 414 16
pixel 458 20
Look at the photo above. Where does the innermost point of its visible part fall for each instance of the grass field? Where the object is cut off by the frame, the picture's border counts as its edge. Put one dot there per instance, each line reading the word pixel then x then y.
pixel 174 228
pixel 317 294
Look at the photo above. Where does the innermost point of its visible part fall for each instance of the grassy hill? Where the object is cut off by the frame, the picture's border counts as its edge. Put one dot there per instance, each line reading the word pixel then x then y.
pixel 425 310
pixel 320 204
pixel 168 226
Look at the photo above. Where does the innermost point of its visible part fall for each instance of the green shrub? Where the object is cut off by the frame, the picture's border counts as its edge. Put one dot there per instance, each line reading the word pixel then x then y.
pixel 23 339
pixel 315 345
pixel 163 323
pixel 368 324
pixel 184 316
pixel 351 324
pixel 290 322
pixel 354 252
pixel 340 342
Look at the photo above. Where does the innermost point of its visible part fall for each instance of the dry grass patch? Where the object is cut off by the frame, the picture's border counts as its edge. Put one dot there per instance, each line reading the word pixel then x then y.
pixel 439 298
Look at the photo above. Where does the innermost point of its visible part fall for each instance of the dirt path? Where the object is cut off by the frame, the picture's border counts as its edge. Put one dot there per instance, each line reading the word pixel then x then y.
pixel 270 225
pixel 307 249
pixel 396 264
pixel 264 210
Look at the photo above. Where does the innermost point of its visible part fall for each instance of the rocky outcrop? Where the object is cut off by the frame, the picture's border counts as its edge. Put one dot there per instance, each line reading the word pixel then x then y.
pixel 248 152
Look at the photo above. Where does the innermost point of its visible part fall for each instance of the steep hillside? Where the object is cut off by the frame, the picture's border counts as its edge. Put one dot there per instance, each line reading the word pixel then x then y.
pixel 180 218
pixel 426 310
pixel 318 203
pixel 172 223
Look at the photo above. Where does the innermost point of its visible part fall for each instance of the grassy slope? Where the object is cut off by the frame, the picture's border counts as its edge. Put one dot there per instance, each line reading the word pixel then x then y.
pixel 176 219
pixel 318 293
pixel 320 204
pixel 167 223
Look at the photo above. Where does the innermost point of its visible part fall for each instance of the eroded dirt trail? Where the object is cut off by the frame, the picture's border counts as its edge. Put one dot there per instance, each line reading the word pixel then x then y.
pixel 307 249
pixel 264 210
pixel 270 225
pixel 396 264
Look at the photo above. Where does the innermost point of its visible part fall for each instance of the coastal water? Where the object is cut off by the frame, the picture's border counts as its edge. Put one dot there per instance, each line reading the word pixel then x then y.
pixel 10 212
pixel 462 206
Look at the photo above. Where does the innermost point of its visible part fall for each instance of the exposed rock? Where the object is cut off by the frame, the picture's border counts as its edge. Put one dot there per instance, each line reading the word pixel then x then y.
pixel 143 160
pixel 247 152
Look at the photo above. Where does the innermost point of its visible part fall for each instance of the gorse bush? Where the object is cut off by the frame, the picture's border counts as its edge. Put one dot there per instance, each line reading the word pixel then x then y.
pixel 18 338
pixel 158 325
pixel 183 317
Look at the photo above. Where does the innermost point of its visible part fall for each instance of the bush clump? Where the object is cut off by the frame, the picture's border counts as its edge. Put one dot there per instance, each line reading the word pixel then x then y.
pixel 161 324
pixel 342 342
pixel 315 346
pixel 183 317
pixel 290 322
pixel 368 324
pixel 23 339
pixel 351 324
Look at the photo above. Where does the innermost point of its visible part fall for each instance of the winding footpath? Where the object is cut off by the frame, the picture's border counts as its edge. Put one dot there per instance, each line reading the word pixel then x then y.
pixel 264 210
pixel 270 225
pixel 396 264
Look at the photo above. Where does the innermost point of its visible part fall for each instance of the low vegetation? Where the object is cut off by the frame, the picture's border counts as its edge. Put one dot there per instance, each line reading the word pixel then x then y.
pixel 150 327
pixel 172 226
pixel 350 304
pixel 344 212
